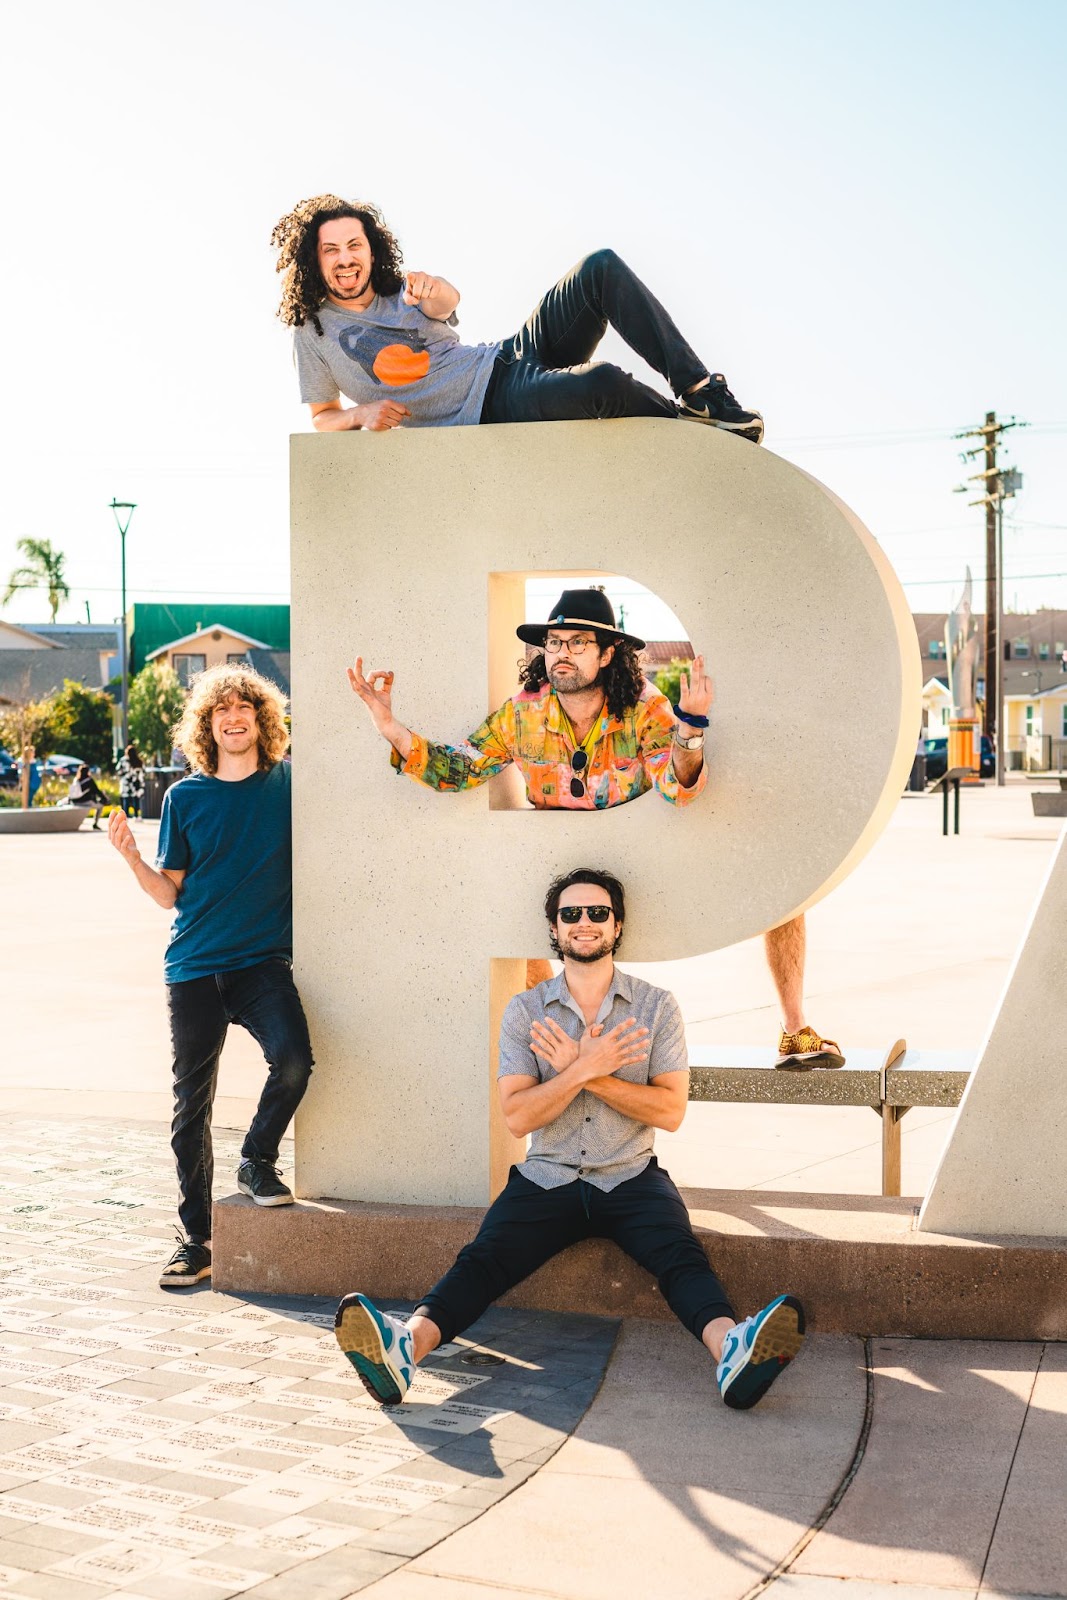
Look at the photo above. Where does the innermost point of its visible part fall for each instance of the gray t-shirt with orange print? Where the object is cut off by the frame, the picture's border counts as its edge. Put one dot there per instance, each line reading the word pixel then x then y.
pixel 392 351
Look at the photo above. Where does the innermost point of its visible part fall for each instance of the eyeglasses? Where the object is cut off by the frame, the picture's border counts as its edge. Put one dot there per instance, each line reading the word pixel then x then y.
pixel 594 913
pixel 579 762
pixel 573 647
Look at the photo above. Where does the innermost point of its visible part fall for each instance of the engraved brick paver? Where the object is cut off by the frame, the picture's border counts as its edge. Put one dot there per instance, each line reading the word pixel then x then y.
pixel 162 1443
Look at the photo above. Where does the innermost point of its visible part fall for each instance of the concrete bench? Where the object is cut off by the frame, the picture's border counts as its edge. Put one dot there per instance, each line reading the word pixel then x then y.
pixel 42 819
pixel 890 1084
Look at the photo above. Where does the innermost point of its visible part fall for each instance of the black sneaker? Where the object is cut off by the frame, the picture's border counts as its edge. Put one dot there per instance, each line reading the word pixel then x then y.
pixel 260 1181
pixel 715 405
pixel 189 1263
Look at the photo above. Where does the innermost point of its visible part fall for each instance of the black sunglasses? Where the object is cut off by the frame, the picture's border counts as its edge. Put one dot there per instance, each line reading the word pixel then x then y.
pixel 574 913
pixel 579 761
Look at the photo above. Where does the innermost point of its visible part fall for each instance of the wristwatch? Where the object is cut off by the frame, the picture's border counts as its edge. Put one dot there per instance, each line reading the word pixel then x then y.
pixel 695 741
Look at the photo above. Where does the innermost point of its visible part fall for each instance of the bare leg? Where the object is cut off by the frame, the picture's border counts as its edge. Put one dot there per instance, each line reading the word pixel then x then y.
pixel 426 1336
pixel 785 948
pixel 714 1334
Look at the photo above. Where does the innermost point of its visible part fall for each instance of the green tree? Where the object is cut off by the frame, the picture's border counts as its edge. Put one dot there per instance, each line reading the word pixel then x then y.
pixel 157 700
pixel 43 570
pixel 80 722
pixel 26 722
pixel 668 679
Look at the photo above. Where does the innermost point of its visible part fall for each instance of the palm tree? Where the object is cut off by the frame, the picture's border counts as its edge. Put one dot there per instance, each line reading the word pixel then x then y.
pixel 43 570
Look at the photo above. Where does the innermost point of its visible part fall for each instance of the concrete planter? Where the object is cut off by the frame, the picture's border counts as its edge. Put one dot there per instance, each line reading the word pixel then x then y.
pixel 43 819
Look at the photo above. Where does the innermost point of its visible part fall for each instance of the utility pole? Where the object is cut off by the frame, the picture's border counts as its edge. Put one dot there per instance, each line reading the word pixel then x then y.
pixel 990 433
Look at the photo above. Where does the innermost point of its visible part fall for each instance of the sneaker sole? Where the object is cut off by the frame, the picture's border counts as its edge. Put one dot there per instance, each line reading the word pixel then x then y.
pixel 773 1348
pixel 753 431
pixel 266 1199
pixel 804 1063
pixel 358 1335
pixel 173 1280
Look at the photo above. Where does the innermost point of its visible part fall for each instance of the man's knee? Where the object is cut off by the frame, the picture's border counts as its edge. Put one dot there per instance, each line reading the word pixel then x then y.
pixel 292 1066
pixel 599 263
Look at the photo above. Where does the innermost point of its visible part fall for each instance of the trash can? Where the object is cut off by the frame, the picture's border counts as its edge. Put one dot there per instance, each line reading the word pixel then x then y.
pixel 157 780
pixel 917 781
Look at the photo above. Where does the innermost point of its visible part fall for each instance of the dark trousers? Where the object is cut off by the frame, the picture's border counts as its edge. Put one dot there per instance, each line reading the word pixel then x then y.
pixel 264 1000
pixel 527 1225
pixel 546 372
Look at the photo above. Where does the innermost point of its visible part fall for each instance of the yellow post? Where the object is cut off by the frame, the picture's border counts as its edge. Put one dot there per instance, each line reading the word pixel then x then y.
pixel 963 743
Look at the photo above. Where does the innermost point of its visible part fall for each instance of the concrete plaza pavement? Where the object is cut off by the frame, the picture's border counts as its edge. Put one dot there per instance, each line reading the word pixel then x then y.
pixel 185 1445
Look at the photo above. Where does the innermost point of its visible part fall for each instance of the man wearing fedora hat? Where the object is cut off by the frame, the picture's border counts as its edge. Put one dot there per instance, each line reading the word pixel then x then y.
pixel 587 730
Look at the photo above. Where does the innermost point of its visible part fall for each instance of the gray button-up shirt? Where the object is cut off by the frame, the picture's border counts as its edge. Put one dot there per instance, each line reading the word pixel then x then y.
pixel 589 1139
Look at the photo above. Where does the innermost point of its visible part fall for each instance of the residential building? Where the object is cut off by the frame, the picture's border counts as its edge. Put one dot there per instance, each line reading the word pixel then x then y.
pixel 35 662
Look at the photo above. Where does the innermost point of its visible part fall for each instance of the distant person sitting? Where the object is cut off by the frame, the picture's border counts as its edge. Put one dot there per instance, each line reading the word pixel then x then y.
pixel 85 791
pixel 591 1064
pixel 130 769
pixel 386 339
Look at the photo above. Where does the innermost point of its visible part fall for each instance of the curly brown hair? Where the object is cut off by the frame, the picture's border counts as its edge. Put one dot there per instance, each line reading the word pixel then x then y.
pixel 622 679
pixel 212 688
pixel 296 238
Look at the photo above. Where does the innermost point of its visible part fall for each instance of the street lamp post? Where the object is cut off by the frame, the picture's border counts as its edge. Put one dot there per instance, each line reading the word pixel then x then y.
pixel 124 510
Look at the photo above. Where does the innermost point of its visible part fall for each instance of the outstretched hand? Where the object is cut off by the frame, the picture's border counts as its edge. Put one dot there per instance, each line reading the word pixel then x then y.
pixel 376 692
pixel 120 834
pixel 696 690
pixel 418 286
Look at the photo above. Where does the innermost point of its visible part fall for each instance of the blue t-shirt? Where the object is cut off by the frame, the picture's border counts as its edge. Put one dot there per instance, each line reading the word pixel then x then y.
pixel 234 842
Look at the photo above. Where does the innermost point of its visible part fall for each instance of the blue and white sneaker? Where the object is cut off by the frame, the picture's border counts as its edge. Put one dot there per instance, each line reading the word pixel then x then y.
pixel 379 1346
pixel 757 1350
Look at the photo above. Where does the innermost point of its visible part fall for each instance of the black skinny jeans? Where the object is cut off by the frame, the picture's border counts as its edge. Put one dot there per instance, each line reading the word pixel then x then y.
pixel 264 1000
pixel 527 1225
pixel 546 372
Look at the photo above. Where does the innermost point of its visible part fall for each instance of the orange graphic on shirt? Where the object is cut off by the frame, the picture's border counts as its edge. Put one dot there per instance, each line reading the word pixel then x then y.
pixel 397 365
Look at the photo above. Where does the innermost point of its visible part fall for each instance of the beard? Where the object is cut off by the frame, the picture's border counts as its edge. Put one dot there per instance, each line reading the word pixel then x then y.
pixel 351 291
pixel 584 957
pixel 572 682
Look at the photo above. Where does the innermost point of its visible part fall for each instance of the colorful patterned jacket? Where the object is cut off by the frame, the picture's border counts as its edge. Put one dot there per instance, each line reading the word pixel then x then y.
pixel 632 754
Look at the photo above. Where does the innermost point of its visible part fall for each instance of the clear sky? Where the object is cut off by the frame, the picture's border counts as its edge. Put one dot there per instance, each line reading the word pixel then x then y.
pixel 856 212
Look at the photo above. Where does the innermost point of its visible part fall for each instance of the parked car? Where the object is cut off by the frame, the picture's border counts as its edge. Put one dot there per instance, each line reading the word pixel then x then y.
pixel 59 766
pixel 936 749
pixel 9 771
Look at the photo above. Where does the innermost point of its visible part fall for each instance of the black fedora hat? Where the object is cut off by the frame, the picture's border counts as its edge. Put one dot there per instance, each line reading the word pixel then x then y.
pixel 578 608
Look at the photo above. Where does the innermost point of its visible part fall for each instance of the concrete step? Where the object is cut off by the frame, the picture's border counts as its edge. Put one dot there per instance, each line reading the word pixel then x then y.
pixel 856 1262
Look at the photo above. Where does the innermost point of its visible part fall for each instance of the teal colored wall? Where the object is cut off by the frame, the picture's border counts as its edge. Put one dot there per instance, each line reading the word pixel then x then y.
pixel 153 624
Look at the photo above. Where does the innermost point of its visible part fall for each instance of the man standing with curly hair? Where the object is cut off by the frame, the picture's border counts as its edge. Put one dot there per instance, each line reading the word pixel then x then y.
pixel 386 339
pixel 224 864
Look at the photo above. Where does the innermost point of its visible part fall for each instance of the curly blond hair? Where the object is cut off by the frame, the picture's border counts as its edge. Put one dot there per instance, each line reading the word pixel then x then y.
pixel 212 688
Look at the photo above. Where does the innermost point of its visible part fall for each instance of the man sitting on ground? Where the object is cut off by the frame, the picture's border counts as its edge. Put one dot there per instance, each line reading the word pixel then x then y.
pixel 386 339
pixel 589 731
pixel 591 1063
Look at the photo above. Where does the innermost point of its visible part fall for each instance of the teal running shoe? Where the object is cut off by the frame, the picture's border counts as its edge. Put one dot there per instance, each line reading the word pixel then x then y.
pixel 379 1346
pixel 757 1350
